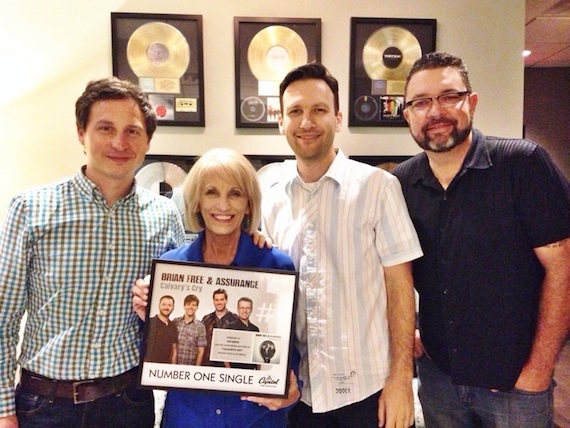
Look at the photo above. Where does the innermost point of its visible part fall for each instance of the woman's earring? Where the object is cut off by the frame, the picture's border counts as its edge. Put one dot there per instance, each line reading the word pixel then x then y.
pixel 246 222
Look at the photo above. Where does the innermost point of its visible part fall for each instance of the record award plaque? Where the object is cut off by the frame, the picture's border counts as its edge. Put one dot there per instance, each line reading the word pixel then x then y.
pixel 163 55
pixel 382 53
pixel 266 49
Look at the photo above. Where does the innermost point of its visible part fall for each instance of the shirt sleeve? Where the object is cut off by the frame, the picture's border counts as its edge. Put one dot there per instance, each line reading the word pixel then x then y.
pixel 13 247
pixel 542 196
pixel 398 241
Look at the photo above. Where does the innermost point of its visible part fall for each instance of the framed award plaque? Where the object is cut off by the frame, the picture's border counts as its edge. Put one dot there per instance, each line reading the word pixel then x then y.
pixel 242 347
pixel 382 52
pixel 266 49
pixel 162 54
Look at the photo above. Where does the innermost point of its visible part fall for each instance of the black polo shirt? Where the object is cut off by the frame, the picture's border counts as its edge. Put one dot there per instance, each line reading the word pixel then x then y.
pixel 479 280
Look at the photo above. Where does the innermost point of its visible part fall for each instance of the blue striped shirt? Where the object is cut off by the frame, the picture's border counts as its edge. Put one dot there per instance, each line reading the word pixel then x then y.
pixel 70 262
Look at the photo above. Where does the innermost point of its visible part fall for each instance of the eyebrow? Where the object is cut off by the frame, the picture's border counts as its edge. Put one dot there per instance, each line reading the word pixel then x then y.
pixel 426 95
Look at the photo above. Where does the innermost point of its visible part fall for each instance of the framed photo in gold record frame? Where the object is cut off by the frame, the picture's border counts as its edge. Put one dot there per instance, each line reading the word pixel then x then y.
pixel 382 52
pixel 163 54
pixel 266 49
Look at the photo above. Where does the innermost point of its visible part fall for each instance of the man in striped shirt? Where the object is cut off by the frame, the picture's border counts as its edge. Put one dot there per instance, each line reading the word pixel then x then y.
pixel 71 252
pixel 346 226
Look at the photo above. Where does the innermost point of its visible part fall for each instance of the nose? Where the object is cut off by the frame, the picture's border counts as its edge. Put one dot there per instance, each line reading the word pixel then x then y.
pixel 435 109
pixel 307 122
pixel 223 203
pixel 119 141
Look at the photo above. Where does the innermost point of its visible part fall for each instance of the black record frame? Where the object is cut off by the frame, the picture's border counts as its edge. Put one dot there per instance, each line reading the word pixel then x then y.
pixel 169 50
pixel 376 89
pixel 264 49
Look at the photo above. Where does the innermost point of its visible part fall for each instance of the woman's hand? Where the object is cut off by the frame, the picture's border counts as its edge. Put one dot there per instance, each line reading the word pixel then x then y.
pixel 293 395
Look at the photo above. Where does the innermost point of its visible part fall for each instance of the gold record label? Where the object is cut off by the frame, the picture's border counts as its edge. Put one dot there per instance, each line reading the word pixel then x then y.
pixel 158 49
pixel 274 51
pixel 389 53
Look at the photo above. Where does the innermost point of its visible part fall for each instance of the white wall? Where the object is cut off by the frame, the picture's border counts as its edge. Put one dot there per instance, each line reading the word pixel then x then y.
pixel 50 49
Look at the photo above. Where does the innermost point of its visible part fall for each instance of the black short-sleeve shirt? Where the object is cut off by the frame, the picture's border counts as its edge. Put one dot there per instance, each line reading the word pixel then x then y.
pixel 480 280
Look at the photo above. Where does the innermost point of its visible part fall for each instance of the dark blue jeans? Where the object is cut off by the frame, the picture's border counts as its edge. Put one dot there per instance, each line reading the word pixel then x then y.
pixel 133 408
pixel 447 405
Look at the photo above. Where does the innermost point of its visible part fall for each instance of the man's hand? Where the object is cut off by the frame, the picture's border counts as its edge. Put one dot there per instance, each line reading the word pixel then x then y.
pixel 533 381
pixel 418 345
pixel 396 404
pixel 9 422
pixel 140 297
pixel 261 240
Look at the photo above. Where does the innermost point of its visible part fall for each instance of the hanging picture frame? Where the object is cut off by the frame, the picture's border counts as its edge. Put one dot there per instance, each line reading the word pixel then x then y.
pixel 163 54
pixel 266 49
pixel 382 52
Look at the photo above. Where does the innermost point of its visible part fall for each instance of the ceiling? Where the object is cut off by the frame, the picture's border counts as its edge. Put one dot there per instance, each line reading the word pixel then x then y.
pixel 547 33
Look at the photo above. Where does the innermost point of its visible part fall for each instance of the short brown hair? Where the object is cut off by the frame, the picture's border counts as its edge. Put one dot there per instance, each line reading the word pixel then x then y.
pixel 434 60
pixel 310 71
pixel 112 88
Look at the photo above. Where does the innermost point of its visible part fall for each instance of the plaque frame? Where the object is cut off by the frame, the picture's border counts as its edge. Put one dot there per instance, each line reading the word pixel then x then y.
pixel 381 101
pixel 179 106
pixel 264 109
pixel 273 293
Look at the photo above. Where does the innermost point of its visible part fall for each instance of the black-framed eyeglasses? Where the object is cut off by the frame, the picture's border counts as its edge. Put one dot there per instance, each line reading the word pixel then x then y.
pixel 449 99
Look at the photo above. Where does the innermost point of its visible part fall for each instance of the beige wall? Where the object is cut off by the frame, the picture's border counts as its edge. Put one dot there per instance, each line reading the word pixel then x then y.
pixel 50 49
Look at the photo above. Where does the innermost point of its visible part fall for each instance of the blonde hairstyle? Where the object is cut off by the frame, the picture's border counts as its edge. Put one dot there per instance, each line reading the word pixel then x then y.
pixel 232 167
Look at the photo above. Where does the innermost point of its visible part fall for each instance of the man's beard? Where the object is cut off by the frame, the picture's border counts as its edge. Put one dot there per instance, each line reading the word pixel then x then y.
pixel 456 137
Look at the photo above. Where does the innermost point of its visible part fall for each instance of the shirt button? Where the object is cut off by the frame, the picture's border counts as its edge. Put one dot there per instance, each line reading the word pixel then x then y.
pixel 96 345
pixel 218 411
pixel 102 312
pixel 445 291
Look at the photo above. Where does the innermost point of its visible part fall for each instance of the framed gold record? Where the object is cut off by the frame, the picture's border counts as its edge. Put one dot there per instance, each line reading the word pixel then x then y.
pixel 382 52
pixel 266 49
pixel 163 54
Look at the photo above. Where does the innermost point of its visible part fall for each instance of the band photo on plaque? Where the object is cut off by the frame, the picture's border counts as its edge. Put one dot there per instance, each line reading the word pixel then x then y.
pixel 382 52
pixel 266 49
pixel 163 54
pixel 249 356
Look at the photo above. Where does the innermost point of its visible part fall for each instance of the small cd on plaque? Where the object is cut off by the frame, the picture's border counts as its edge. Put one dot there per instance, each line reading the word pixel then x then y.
pixel 381 56
pixel 266 50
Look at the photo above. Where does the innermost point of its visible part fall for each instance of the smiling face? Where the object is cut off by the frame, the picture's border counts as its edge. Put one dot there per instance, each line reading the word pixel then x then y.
pixel 220 302
pixel 190 309
pixel 166 306
pixel 244 310
pixel 223 206
pixel 439 129
pixel 308 120
pixel 114 140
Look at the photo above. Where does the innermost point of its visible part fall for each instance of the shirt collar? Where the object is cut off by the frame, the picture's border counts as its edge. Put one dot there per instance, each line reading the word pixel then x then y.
pixel 477 157
pixel 92 192
pixel 336 169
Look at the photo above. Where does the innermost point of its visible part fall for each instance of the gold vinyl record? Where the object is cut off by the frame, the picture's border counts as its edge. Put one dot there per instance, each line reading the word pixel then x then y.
pixel 158 49
pixel 389 53
pixel 160 177
pixel 274 51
